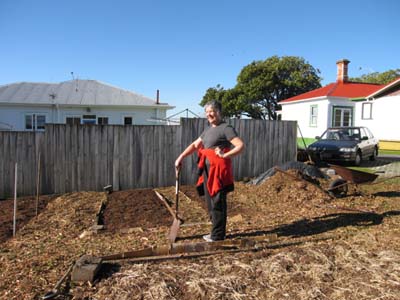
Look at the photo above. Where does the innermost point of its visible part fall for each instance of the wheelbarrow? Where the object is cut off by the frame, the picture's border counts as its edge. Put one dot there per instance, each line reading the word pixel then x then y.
pixel 339 186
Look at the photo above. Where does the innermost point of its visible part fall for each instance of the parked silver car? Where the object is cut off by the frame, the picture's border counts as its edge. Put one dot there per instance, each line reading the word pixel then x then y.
pixel 350 144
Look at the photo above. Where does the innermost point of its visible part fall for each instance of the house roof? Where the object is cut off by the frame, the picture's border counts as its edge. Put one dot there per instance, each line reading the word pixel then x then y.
pixel 73 92
pixel 339 89
pixel 391 87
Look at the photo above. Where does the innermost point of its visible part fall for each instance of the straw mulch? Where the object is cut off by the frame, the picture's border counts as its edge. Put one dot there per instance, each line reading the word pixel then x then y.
pixel 321 252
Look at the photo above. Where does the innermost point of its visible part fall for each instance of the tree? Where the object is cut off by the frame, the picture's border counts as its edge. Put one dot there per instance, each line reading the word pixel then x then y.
pixel 262 84
pixel 376 77
pixel 232 100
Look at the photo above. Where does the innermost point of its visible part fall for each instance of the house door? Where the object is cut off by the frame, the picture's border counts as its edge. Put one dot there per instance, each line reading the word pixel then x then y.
pixel 342 116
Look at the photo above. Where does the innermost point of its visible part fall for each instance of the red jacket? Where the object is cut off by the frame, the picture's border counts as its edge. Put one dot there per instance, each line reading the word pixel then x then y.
pixel 220 174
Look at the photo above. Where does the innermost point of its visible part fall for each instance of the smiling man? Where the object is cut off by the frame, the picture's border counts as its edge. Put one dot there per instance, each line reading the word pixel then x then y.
pixel 215 147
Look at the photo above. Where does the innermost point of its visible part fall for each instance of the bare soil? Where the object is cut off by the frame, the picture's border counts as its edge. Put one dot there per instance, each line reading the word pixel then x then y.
pixel 326 248
pixel 135 208
pixel 26 210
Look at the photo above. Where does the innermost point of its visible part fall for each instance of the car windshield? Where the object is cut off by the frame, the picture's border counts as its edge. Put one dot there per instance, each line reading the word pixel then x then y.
pixel 342 134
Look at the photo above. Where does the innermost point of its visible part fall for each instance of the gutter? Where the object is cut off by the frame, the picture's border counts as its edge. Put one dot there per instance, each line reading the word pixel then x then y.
pixel 161 105
pixel 358 99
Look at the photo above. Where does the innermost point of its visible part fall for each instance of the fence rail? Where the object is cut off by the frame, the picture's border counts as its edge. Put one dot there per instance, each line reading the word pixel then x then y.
pixel 89 157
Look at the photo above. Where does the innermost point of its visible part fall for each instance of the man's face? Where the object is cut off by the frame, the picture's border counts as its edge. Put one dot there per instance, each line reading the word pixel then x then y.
pixel 212 115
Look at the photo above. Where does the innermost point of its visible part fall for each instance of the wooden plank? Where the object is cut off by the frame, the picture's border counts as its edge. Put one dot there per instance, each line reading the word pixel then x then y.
pixel 21 165
pixel 31 161
pixel 110 155
pixel 258 162
pixel 62 162
pixel 39 142
pixel 54 155
pixel 80 167
pixel 126 164
pixel 86 158
pixel 6 192
pixel 74 158
pixel 293 139
pixel 159 162
pixel 148 136
pixel 129 156
pixel 57 156
pixel 2 160
pixel 136 156
pixel 268 146
pixel 115 177
pixel 45 162
pixel 263 146
pixel 12 160
pixel 103 143
pixel 68 158
pixel 173 145
pixel 271 146
pixel 96 161
pixel 149 155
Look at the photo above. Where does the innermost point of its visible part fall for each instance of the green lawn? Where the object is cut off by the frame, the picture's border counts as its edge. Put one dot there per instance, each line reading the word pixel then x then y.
pixel 388 152
pixel 307 141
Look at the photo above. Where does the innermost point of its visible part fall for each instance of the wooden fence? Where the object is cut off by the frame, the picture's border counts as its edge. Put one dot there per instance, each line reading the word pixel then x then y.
pixel 89 157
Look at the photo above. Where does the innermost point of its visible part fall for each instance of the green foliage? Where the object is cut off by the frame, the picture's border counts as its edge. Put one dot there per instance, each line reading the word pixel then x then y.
pixel 262 84
pixel 307 141
pixel 379 78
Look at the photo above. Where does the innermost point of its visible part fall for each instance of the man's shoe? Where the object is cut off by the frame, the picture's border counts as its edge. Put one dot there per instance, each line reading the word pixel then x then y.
pixel 208 238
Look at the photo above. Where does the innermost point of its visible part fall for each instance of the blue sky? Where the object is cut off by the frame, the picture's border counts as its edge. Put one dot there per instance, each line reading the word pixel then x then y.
pixel 184 47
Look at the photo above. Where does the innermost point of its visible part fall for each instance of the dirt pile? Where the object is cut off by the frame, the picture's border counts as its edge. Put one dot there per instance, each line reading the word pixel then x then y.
pixel 26 210
pixel 135 208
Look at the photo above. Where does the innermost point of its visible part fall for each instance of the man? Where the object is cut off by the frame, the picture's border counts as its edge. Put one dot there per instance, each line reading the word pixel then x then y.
pixel 215 146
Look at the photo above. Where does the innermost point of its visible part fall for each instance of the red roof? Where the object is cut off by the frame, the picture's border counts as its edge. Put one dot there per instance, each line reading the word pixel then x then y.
pixel 339 89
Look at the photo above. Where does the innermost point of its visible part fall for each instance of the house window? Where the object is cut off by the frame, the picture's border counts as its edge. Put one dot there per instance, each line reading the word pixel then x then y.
pixel 313 115
pixel 342 116
pixel 366 111
pixel 89 119
pixel 128 120
pixel 35 122
pixel 73 120
pixel 102 120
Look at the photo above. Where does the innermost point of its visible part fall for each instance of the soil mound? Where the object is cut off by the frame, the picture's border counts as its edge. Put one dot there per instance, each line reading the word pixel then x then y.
pixel 135 208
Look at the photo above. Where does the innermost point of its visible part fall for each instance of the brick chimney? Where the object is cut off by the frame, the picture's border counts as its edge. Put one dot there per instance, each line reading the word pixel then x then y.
pixel 342 75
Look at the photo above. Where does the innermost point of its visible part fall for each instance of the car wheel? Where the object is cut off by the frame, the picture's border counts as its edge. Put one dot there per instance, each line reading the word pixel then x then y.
pixel 358 159
pixel 338 188
pixel 374 154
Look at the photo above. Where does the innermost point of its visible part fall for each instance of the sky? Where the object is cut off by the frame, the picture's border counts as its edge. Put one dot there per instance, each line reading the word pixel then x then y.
pixel 182 48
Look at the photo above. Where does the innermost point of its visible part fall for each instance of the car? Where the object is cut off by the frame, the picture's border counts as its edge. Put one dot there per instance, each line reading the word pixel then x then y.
pixel 344 144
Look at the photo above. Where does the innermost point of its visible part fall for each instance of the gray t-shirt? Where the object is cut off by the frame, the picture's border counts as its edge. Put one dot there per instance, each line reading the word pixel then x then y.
pixel 219 136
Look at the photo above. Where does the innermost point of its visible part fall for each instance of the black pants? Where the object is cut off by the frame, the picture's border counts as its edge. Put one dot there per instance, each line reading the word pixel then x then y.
pixel 217 209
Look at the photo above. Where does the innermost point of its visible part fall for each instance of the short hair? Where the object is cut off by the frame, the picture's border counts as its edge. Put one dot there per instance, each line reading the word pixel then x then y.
pixel 215 105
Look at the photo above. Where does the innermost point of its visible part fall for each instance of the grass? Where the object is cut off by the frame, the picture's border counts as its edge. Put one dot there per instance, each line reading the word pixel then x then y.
pixel 307 141
pixel 389 152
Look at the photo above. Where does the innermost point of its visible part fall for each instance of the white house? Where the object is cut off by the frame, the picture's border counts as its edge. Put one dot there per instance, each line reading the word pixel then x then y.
pixel 379 112
pixel 346 103
pixel 29 105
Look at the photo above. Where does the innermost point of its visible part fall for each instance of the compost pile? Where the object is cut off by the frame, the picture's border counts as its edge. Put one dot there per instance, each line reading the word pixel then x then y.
pixel 321 252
